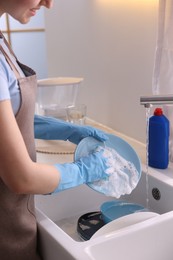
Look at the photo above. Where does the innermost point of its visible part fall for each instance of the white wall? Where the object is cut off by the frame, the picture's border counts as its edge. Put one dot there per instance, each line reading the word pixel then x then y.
pixel 111 43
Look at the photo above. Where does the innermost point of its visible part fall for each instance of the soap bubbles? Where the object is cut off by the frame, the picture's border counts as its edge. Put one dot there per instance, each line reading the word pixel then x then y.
pixel 123 175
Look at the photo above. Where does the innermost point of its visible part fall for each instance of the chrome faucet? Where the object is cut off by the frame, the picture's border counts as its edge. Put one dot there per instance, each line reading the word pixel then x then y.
pixel 148 101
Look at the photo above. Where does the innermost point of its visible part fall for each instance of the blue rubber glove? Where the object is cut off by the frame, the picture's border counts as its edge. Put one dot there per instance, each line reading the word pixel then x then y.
pixel 86 170
pixel 49 128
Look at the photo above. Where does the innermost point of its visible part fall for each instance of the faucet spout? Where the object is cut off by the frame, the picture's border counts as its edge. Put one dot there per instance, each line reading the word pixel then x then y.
pixel 148 101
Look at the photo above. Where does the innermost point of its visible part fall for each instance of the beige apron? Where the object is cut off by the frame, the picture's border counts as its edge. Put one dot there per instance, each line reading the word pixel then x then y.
pixel 18 227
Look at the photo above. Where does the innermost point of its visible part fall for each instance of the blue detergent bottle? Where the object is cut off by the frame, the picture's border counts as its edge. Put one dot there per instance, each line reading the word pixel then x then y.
pixel 158 146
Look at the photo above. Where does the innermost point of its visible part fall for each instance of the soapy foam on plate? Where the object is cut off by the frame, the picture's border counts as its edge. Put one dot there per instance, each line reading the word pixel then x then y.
pixel 124 165
pixel 123 175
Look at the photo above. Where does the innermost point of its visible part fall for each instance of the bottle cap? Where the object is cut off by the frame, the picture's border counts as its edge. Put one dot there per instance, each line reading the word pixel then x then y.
pixel 158 111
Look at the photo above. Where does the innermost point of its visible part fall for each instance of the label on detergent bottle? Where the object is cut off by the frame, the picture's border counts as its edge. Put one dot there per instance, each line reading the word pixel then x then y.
pixel 158 146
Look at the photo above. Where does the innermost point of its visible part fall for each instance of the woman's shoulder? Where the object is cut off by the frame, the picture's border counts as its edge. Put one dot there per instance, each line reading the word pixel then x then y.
pixel 4 66
pixel 6 77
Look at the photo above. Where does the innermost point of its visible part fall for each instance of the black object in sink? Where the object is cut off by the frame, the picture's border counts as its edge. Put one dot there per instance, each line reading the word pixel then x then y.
pixel 89 223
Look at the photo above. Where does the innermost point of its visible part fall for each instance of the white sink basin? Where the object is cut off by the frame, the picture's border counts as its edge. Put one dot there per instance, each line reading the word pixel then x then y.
pixel 151 239
pixel 147 240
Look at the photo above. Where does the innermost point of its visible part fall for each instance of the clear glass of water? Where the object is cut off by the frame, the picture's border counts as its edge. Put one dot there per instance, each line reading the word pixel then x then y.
pixel 77 114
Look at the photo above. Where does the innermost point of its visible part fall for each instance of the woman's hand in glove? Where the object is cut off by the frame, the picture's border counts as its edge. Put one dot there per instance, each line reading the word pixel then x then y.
pixel 88 169
pixel 49 128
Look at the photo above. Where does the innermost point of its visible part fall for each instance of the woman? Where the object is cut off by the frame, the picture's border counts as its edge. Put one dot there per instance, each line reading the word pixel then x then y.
pixel 20 176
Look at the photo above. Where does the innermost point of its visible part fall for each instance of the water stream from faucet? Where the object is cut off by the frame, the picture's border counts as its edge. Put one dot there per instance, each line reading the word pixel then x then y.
pixel 148 111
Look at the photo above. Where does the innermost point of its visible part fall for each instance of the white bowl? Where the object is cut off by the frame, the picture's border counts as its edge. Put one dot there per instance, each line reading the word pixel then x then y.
pixel 54 95
pixel 123 222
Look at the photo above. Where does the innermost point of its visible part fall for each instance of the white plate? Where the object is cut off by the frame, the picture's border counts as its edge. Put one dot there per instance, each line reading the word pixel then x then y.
pixel 123 222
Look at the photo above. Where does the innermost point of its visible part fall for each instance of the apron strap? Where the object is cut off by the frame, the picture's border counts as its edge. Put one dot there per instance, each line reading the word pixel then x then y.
pixel 11 64
pixel 7 44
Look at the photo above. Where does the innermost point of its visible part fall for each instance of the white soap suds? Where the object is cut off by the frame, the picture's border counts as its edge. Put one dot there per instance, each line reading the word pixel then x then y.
pixel 122 175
